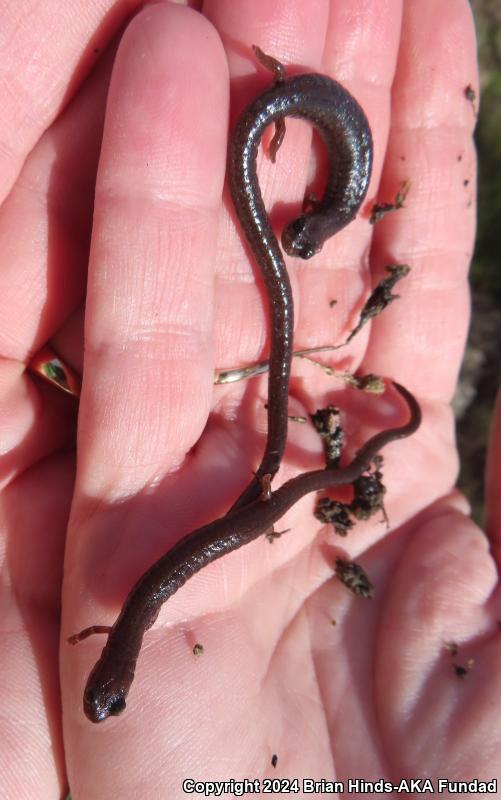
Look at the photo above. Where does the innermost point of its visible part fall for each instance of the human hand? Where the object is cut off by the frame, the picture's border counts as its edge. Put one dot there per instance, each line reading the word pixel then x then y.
pixel 157 323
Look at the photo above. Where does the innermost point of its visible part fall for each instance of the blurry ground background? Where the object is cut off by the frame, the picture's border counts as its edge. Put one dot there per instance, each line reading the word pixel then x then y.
pixel 481 371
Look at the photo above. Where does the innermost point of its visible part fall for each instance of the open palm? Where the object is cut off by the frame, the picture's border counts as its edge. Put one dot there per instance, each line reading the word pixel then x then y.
pixel 170 295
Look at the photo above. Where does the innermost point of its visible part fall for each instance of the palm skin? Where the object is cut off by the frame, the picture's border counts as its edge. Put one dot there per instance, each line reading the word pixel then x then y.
pixel 170 296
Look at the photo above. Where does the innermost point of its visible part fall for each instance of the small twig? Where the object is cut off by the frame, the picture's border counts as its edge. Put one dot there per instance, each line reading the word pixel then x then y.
pixel 379 299
pixel 379 210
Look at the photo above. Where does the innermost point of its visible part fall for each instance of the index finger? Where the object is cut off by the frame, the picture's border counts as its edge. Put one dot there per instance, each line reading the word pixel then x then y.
pixel 430 145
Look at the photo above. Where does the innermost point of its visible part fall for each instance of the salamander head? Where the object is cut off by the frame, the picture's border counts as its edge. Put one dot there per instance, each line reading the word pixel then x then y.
pixel 99 705
pixel 302 237
pixel 306 235
pixel 104 695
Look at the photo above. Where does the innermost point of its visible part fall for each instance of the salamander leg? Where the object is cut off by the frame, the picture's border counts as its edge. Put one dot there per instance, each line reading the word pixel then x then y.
pixel 77 637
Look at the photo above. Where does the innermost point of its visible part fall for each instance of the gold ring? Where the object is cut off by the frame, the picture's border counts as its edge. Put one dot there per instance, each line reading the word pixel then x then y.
pixel 49 366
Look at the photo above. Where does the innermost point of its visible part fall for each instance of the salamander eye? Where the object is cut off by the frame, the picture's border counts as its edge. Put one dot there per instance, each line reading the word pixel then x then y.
pixel 116 707
pixel 297 238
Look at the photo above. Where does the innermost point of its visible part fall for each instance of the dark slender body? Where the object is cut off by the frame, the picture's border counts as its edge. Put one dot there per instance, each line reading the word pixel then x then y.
pixel 347 136
pixel 344 128
pixel 111 678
